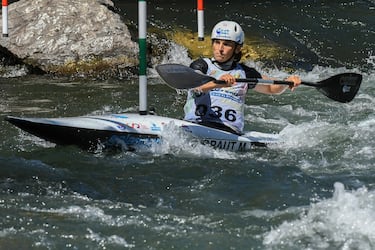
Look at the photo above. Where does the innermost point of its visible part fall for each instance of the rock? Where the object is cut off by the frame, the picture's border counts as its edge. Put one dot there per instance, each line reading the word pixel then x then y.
pixel 12 66
pixel 70 37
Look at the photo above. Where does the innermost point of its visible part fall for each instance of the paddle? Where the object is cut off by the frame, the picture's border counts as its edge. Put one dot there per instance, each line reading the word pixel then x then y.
pixel 342 87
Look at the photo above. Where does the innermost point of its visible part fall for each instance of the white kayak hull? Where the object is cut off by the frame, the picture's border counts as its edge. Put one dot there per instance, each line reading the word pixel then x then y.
pixel 132 131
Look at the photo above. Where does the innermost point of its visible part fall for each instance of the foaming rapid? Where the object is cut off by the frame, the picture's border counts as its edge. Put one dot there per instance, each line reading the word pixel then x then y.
pixel 175 54
pixel 345 221
pixel 177 142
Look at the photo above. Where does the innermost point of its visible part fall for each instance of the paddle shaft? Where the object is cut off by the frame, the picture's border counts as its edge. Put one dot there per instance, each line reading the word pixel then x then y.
pixel 259 80
pixel 265 81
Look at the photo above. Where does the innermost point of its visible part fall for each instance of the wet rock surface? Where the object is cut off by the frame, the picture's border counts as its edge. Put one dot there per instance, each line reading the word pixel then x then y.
pixel 69 37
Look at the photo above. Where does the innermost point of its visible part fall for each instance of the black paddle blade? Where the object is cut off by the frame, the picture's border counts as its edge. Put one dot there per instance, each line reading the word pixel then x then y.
pixel 342 87
pixel 181 77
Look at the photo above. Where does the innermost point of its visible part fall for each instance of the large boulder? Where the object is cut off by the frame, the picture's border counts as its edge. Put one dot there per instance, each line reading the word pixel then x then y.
pixel 70 37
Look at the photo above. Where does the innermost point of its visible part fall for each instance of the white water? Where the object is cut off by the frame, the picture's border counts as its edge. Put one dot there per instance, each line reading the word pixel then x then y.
pixel 345 221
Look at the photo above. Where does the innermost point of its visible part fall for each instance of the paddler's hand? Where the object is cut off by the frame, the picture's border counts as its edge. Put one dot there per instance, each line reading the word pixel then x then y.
pixel 229 79
pixel 296 80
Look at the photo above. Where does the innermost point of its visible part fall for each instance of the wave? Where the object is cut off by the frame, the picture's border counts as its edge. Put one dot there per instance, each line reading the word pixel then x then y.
pixel 345 221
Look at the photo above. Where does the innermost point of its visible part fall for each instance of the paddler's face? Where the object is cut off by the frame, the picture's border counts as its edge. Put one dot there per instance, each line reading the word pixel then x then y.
pixel 223 50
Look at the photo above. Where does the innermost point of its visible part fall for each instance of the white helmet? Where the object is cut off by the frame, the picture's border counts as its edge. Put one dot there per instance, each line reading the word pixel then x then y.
pixel 228 30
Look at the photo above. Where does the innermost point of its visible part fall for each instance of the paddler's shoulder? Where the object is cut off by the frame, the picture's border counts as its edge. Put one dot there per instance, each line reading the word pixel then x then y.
pixel 200 64
pixel 250 72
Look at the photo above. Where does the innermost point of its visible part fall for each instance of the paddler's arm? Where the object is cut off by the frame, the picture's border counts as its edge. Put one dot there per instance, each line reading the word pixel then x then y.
pixel 273 89
pixel 229 79
pixel 276 89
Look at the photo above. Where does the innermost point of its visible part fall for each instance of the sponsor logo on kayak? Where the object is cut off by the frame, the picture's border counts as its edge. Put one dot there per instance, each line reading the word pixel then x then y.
pixel 133 141
pixel 134 125
pixel 155 127
pixel 121 116
pixel 227 145
pixel 121 127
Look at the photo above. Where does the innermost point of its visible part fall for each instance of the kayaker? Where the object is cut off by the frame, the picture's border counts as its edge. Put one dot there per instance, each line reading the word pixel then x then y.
pixel 222 105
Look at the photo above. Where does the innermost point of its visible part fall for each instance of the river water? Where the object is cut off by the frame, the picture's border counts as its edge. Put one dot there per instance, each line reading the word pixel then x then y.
pixel 315 190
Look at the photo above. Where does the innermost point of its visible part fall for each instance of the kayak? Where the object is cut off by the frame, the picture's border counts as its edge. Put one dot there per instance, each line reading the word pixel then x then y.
pixel 133 131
